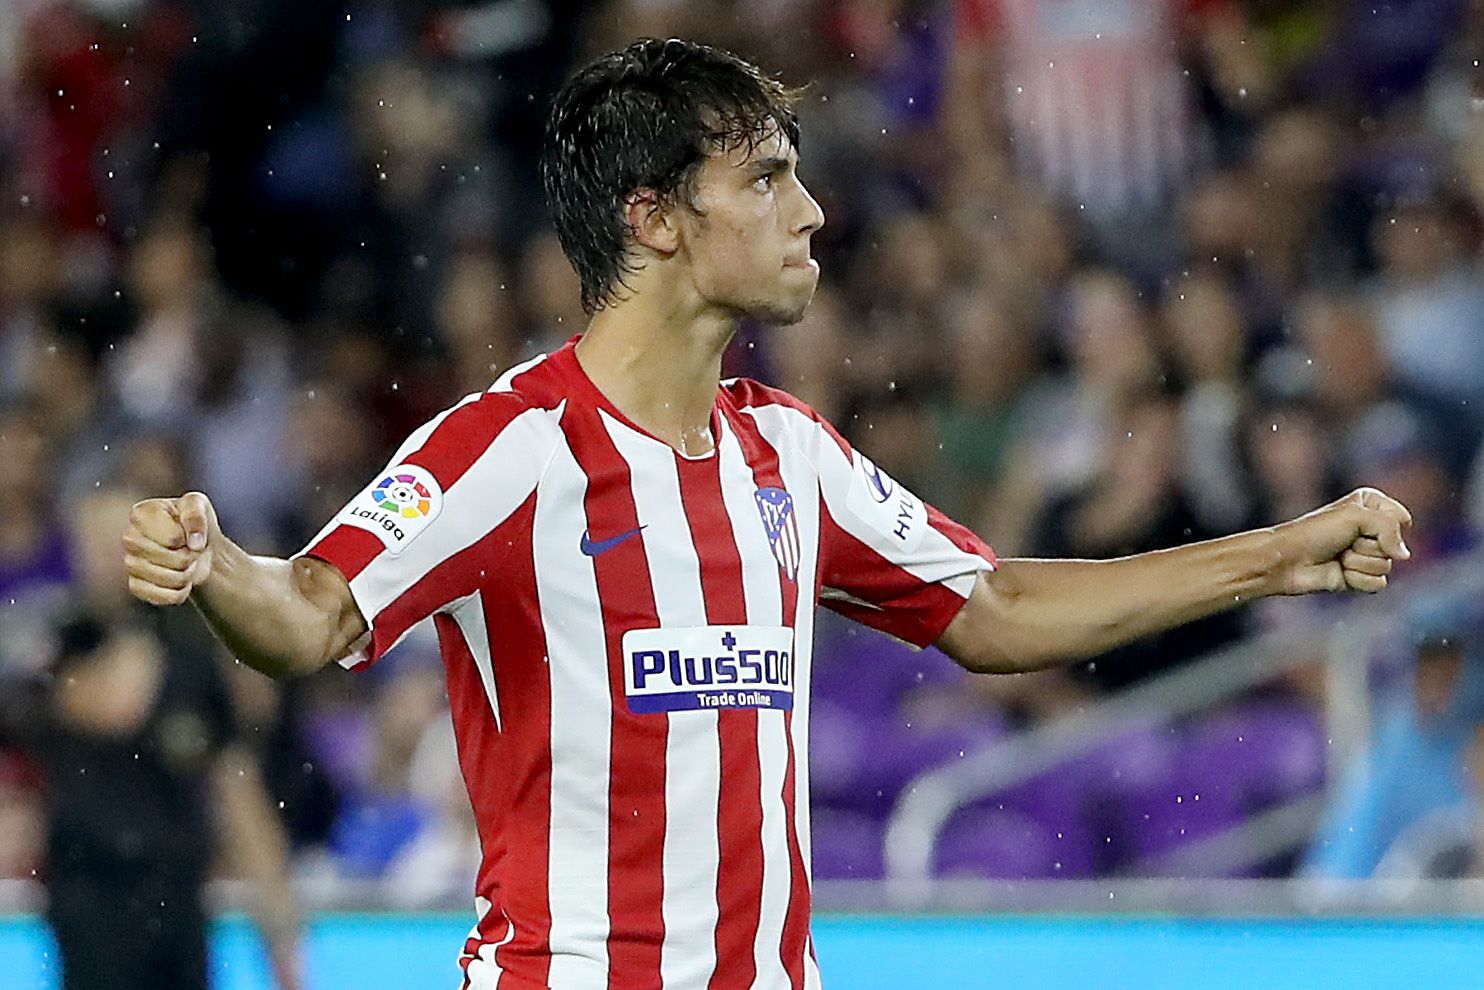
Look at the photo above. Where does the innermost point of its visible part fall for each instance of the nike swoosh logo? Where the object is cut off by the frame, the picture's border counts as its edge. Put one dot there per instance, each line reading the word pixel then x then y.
pixel 593 547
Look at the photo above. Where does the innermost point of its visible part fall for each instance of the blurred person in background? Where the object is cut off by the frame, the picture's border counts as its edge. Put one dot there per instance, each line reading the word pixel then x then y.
pixel 1344 368
pixel 433 869
pixel 142 761
pixel 1205 341
pixel 1428 300
pixel 22 818
pixel 901 278
pixel 478 322
pixel 176 749
pixel 1062 445
pixel 1397 446
pixel 1221 230
pixel 36 566
pixel 381 816
pixel 811 359
pixel 1290 449
pixel 30 280
pixel 202 356
pixel 1137 504
pixel 329 454
pixel 898 424
pixel 1307 227
pixel 550 296
pixel 990 366
pixel 1090 99
pixel 1448 842
pixel 1415 765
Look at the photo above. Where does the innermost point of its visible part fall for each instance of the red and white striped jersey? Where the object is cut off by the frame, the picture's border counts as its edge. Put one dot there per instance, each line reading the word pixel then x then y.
pixel 1098 104
pixel 627 634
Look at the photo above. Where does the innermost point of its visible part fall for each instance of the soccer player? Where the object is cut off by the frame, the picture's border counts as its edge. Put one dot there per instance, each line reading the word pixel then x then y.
pixel 622 558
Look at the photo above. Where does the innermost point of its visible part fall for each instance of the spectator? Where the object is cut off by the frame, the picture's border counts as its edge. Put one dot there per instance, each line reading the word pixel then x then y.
pixel 35 558
pixel 1415 763
pixel 135 740
pixel 979 413
pixel 1429 305
pixel 1447 843
pixel 1137 504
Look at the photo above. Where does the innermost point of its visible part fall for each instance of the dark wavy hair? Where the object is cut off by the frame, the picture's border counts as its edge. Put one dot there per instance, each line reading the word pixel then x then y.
pixel 646 117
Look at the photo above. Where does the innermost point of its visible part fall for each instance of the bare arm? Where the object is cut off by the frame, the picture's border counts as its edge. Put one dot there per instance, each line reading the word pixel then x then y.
pixel 281 617
pixel 1034 614
pixel 254 840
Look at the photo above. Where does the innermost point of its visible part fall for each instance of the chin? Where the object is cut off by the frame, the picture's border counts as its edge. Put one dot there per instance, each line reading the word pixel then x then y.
pixel 782 311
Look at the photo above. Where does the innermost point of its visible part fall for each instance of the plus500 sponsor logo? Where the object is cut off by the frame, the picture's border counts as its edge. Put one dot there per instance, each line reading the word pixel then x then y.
pixel 702 668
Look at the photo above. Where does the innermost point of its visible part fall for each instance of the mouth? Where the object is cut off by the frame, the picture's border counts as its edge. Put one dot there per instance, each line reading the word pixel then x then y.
pixel 804 262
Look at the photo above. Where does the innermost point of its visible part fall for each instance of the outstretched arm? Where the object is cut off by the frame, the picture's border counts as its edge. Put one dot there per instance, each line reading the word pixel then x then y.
pixel 1034 614
pixel 281 617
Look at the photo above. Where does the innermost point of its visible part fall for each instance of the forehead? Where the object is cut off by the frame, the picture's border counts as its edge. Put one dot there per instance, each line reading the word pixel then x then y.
pixel 773 145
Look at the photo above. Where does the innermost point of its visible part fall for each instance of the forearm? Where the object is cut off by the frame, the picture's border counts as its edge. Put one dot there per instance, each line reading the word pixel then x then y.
pixel 269 613
pixel 259 851
pixel 1050 612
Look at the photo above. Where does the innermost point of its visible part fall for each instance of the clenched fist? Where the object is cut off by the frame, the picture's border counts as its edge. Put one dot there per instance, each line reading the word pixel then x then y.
pixel 1348 545
pixel 168 546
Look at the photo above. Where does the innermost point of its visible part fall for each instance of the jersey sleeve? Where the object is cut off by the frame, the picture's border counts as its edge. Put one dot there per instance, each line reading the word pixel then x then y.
pixel 887 558
pixel 414 541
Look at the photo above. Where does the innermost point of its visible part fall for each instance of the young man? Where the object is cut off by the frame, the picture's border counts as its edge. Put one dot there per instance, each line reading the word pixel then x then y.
pixel 622 559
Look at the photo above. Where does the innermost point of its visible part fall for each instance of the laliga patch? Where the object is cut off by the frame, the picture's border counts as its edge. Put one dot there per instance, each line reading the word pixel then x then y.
pixel 879 501
pixel 708 668
pixel 397 507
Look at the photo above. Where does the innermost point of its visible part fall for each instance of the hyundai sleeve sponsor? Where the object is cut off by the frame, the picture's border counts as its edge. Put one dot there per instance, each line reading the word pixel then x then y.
pixel 699 668
pixel 881 503
pixel 397 506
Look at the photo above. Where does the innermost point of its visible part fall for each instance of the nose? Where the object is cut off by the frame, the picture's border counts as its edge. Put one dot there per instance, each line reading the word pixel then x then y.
pixel 813 213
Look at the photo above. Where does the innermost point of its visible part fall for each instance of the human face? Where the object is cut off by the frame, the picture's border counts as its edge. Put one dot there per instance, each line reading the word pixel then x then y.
pixel 746 233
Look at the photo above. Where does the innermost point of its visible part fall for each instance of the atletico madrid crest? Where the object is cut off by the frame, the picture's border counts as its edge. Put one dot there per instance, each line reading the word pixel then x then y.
pixel 776 506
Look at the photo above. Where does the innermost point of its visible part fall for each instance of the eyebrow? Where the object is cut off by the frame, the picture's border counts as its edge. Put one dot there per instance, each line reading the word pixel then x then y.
pixel 774 163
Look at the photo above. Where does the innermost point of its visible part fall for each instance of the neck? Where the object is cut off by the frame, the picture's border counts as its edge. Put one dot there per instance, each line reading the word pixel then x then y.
pixel 659 364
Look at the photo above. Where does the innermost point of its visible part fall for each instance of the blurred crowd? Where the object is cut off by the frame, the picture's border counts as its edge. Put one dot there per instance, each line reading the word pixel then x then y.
pixel 1099 277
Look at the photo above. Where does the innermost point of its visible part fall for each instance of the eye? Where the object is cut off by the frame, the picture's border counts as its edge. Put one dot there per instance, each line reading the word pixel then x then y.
pixel 763 182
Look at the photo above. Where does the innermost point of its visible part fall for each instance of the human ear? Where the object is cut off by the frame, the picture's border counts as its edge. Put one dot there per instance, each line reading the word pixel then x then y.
pixel 651 222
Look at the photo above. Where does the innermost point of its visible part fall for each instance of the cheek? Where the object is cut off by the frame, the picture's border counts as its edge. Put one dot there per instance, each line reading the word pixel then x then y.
pixel 738 250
